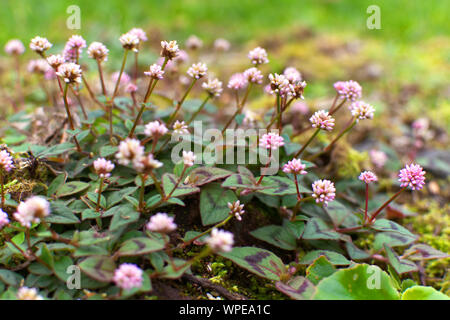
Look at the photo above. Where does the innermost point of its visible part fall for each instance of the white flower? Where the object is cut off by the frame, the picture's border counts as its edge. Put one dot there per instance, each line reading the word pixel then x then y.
pixel 236 209
pixel 155 72
pixel 221 44
pixel 98 51
pixel 148 163
pixel 155 129
pixel 130 150
pixel 129 41
pixel 161 223
pixel 193 43
pixel 103 167
pixel 220 240
pixel 213 87
pixel 253 75
pixel 14 47
pixel 197 70
pixel 362 110
pixel 32 210
pixel 180 128
pixel 40 44
pixel 25 293
pixel 169 49
pixel 55 60
pixel 70 72
pixel 258 56
pixel 188 158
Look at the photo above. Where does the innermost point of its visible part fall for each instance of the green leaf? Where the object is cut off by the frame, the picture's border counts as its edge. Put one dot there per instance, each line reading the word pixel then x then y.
pixel 46 256
pixel 424 252
pixel 168 183
pixel 139 246
pixel 203 175
pixel 170 273
pixel 276 235
pixel 91 237
pixel 61 214
pixel 10 278
pixel 107 151
pixel 423 293
pixel 356 253
pixel 72 187
pixel 100 268
pixel 335 258
pixel 393 239
pixel 55 184
pixel 341 215
pixel 239 181
pixel 259 261
pixel 400 265
pixel 360 282
pixel 115 197
pixel 125 215
pixel 280 186
pixel 297 288
pixel 320 269
pixel 390 226
pixel 317 229
pixel 60 267
pixel 55 150
pixel 213 203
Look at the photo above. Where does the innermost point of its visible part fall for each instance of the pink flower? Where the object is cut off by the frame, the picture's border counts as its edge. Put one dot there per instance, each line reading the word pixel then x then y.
pixel 237 81
pixel 253 75
pixel 161 223
pixel 155 72
pixel 98 51
pixel 188 158
pixel 4 221
pixel 129 41
pixel 55 60
pixel 368 177
pixel 148 163
pixel 278 83
pixel 38 66
pixel 25 293
pixel 213 87
pixel 271 141
pixel 350 90
pixel 292 74
pixel 412 176
pixel 180 128
pixel 131 88
pixel 73 48
pixel 103 167
pixel 128 276
pixel 194 43
pixel 323 191
pixel 362 110
pixel 32 210
pixel 169 49
pixel 70 72
pixel 220 240
pixel 14 47
pixel 321 119
pixel 378 157
pixel 139 33
pixel 258 56
pixel 236 209
pixel 294 166
pixel 197 70
pixel 124 79
pixel 39 44
pixel 221 44
pixel 155 129
pixel 6 161
pixel 130 150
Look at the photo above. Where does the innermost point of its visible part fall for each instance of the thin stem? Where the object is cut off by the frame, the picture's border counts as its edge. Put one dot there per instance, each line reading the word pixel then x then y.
pixel 157 183
pixel 376 213
pixel 2 181
pixel 267 165
pixel 124 61
pixel 100 189
pixel 180 103
pixel 272 121
pixel 102 81
pixel 279 112
pixel 238 110
pixel 198 110
pixel 177 184
pixel 142 191
pixel 297 205
pixel 299 197
pixel 333 111
pixel 307 143
pixel 69 116
pixel 367 203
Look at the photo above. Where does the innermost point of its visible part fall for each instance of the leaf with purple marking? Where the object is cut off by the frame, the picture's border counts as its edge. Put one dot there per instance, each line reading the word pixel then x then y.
pixel 424 252
pixel 203 175
pixel 139 246
pixel 297 288
pixel 169 182
pixel 259 261
pixel 400 265
pixel 100 268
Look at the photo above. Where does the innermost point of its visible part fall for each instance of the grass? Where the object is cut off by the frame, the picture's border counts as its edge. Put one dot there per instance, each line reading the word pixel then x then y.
pixel 238 20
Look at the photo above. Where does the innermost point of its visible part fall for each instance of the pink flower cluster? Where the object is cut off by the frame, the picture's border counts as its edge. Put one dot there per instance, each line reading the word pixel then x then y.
pixel 6 161
pixel 368 177
pixel 323 191
pixel 128 276
pixel 294 166
pixel 237 81
pixel 321 119
pixel 258 56
pixel 32 211
pixel 412 176
pixel 161 223
pixel 350 90
pixel 271 141
pixel 103 167
pixel 73 48
pixel 220 240
pixel 4 221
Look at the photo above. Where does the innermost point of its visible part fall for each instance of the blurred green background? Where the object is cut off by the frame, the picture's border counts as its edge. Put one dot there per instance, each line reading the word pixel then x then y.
pixel 237 20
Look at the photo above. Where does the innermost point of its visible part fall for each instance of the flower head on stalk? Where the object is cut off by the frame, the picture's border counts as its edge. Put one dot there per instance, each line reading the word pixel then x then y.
pixel 237 81
pixel 362 110
pixel 147 164
pixel 139 33
pixel 271 140
pixel 350 90
pixel 14 47
pixel 129 41
pixel 188 158
pixel 292 75
pixel 297 89
pixel 128 276
pixel 253 75
pixel 103 167
pixel 130 150
pixel 213 87
pixel 155 72
pixel 197 70
pixel 55 60
pixel 4 221
pixel 39 44
pixel 278 83
pixel 25 293
pixel 131 88
pixel 32 211
pixel 70 72
pixel 155 129
pixel 258 56
pixel 295 166
pixel 323 191
pixel 236 209
pixel 38 66
pixel 180 128
pixel 98 51
pixel 220 240
pixel 368 177
pixel 161 223
pixel 6 161
pixel 221 44
pixel 169 49
pixel 412 176
pixel 321 119
pixel 73 48
pixel 194 43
